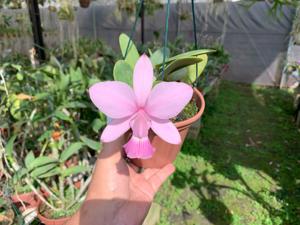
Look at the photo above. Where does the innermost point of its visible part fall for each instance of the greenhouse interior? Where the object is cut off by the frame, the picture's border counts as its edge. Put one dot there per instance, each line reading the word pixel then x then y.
pixel 84 139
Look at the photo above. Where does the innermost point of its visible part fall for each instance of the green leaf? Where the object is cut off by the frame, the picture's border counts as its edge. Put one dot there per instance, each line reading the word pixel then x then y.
pixel 178 75
pixel 50 173
pixel 71 150
pixel 9 147
pixel 189 54
pixel 41 96
pixel 123 72
pixel 76 75
pixel 54 61
pixel 180 63
pixel 91 143
pixel 61 115
pixel 45 135
pixel 188 74
pixel 93 81
pixel 97 124
pixel 41 161
pixel 63 82
pixel 132 53
pixel 75 104
pixel 18 175
pixel 29 158
pixel 192 71
pixel 75 170
pixel 158 56
pixel 16 66
pixel 15 107
pixel 42 170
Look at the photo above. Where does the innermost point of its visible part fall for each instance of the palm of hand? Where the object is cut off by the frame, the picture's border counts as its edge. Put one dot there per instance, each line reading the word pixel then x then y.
pixel 139 190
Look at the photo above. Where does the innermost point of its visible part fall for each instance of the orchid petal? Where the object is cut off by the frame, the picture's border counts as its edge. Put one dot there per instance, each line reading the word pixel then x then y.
pixel 166 130
pixel 142 79
pixel 167 99
pixel 115 129
pixel 139 148
pixel 140 125
pixel 115 99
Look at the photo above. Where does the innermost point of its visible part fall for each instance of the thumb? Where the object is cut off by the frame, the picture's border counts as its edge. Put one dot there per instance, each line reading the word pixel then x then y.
pixel 158 178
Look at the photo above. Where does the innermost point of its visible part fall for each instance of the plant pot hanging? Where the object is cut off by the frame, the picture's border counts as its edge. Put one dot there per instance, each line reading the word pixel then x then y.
pixel 84 3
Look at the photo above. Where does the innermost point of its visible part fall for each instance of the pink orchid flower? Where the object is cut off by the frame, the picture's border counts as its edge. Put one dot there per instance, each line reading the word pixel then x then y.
pixel 141 108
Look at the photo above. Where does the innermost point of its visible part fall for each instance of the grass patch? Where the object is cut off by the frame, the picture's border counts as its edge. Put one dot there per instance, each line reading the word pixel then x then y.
pixel 245 167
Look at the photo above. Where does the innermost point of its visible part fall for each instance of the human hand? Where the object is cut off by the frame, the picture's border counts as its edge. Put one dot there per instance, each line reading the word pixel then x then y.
pixel 118 195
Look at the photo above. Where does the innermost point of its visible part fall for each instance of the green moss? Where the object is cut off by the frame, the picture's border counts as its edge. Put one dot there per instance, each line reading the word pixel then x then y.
pixel 189 111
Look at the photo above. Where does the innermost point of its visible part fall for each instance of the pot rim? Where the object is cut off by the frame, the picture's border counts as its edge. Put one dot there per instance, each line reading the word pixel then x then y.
pixel 43 218
pixel 187 122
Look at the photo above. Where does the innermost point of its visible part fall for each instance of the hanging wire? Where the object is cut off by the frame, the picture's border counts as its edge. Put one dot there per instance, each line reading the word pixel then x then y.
pixel 194 25
pixel 166 38
pixel 138 12
pixel 195 34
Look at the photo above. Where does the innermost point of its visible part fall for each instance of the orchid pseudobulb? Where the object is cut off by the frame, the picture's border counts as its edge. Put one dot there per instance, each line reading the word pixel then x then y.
pixel 141 108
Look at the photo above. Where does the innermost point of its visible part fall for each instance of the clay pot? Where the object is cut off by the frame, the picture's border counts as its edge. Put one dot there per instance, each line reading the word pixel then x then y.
pixel 84 3
pixel 30 200
pixel 166 153
pixel 47 221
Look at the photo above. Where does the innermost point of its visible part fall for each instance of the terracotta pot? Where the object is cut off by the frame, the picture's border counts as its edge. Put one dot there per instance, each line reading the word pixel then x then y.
pixel 47 221
pixel 166 153
pixel 30 200
pixel 84 3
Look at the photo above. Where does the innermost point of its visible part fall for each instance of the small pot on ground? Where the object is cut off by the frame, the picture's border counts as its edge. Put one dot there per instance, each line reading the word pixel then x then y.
pixel 49 221
pixel 84 3
pixel 29 200
pixel 166 153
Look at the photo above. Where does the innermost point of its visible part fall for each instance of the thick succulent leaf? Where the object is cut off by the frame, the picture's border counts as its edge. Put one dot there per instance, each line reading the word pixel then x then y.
pixel 158 56
pixel 177 75
pixel 123 72
pixel 188 74
pixel 132 53
pixel 180 63
pixel 189 54
pixel 191 73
